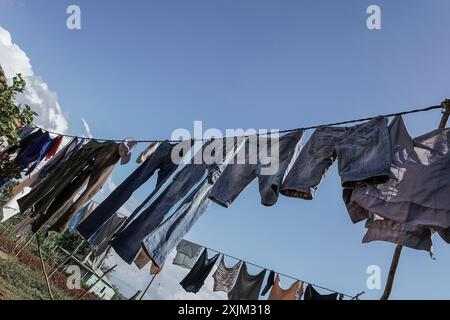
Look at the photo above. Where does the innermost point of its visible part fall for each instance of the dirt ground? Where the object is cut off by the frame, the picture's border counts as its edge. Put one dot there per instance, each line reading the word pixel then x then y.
pixel 27 267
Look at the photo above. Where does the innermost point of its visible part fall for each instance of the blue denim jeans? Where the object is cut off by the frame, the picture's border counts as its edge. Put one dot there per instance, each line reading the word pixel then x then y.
pixel 363 153
pixel 160 160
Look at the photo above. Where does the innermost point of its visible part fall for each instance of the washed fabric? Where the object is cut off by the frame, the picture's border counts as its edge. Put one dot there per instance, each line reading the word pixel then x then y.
pixel 187 254
pixel 88 167
pixel 160 161
pixel 80 215
pixel 195 279
pixel 294 292
pixel 312 294
pixel 125 149
pixel 142 259
pixel 247 286
pixel 269 283
pixel 415 202
pixel 224 277
pixel 275 153
pixel 34 154
pixel 101 240
pixel 54 162
pixel 35 179
pixel 54 149
pixel 362 152
pixel 144 155
pixel 166 237
pixel 128 242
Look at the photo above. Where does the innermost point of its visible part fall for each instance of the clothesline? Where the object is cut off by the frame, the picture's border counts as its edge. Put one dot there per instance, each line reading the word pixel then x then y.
pixel 279 273
pixel 244 136
pixel 261 267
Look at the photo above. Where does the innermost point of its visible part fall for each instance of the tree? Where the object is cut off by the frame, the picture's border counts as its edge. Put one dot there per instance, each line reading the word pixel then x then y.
pixel 12 118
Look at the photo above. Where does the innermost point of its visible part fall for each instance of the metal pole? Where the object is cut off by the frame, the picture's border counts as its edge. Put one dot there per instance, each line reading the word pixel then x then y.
pixel 148 286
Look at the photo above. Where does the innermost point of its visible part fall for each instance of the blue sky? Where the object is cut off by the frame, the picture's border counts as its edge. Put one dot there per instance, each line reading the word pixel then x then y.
pixel 145 68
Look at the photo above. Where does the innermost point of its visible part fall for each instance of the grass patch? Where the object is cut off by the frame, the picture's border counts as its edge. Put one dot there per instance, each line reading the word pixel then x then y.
pixel 18 282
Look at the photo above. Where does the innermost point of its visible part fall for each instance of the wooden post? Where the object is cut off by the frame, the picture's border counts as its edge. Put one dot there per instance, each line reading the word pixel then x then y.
pixel 43 267
pixel 97 281
pixel 398 250
pixel 68 259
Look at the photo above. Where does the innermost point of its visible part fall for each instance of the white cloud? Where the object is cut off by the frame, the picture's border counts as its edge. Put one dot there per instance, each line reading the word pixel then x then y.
pixel 37 94
pixel 166 284
pixel 87 129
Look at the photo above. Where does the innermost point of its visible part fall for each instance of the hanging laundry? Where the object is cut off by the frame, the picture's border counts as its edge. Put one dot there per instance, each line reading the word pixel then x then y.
pixel 142 259
pixel 128 242
pixel 268 163
pixel 30 152
pixel 362 151
pixel 247 286
pixel 161 160
pixel 125 149
pixel 187 254
pixel 54 149
pixel 79 216
pixel 294 292
pixel 167 236
pixel 54 162
pixel 269 283
pixel 26 131
pixel 312 294
pixel 195 279
pixel 100 241
pixel 90 166
pixel 224 277
pixel 38 150
pixel 154 269
pixel 415 202
pixel 147 152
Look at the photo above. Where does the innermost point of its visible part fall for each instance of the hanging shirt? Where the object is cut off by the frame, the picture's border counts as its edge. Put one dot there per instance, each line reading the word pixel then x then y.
pixel 312 294
pixel 54 149
pixel 294 292
pixel 224 277
pixel 200 271
pixel 187 254
pixel 247 286
pixel 269 283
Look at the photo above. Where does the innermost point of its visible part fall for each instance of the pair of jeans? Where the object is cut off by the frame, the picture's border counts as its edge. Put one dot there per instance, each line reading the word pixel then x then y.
pixel 160 160
pixel 160 243
pixel 363 153
pixel 215 154
pixel 267 159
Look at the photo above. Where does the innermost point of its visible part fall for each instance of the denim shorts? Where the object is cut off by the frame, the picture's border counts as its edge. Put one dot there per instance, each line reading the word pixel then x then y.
pixel 270 169
pixel 363 153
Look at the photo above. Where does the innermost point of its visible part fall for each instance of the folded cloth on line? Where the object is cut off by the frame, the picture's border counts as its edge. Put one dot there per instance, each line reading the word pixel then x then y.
pixel 187 254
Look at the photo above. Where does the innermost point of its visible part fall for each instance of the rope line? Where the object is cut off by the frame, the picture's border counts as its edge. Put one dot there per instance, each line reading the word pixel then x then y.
pixel 279 273
pixel 245 136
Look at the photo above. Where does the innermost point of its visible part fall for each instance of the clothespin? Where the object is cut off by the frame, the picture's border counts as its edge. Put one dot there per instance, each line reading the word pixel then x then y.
pixel 446 113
